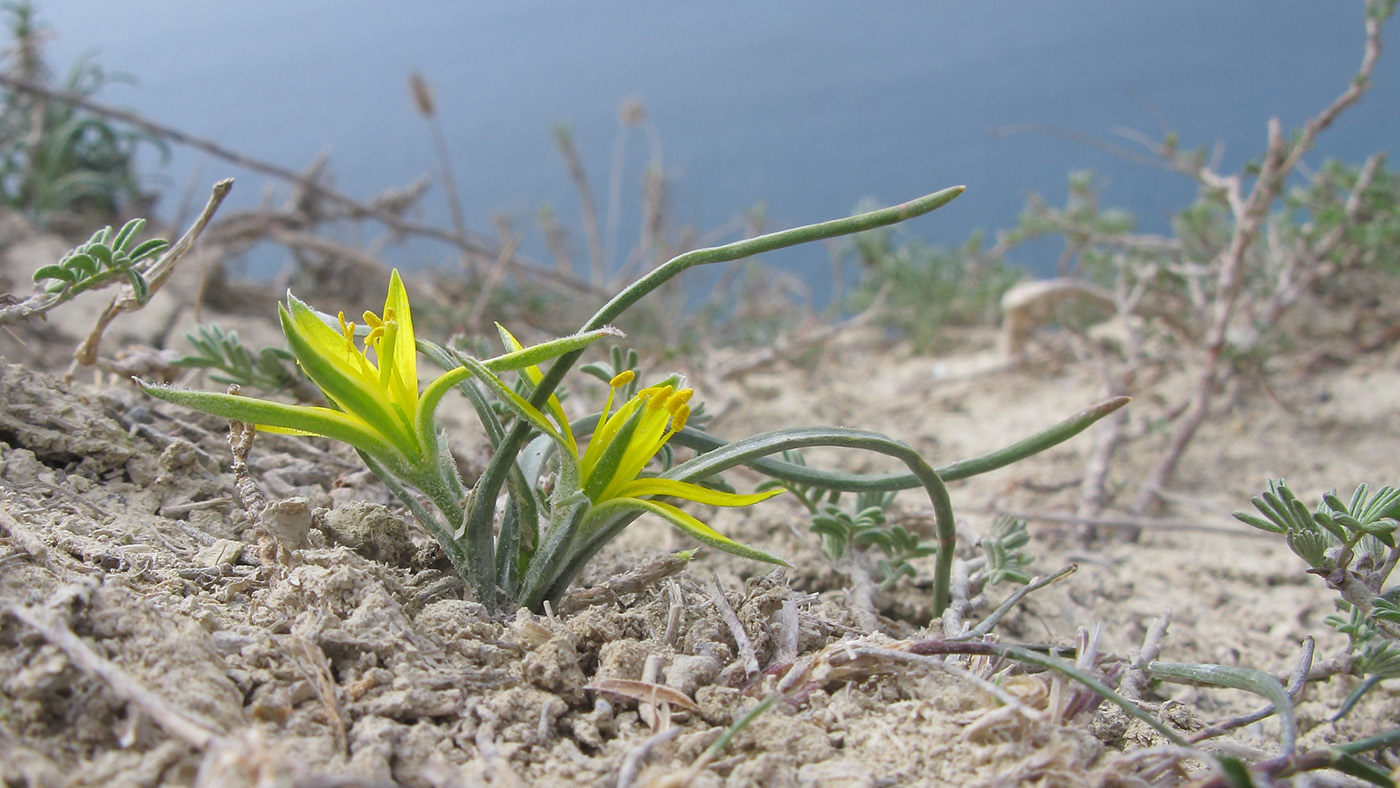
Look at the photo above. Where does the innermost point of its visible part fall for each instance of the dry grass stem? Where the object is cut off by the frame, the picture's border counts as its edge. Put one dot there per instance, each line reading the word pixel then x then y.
pixel 164 713
pixel 747 656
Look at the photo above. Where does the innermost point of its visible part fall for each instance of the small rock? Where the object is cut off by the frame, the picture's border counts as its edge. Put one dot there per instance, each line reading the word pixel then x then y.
pixel 689 673
pixel 370 530
pixel 221 552
pixel 289 521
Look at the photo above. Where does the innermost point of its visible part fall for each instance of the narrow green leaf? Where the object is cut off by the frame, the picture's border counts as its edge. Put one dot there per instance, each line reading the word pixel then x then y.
pixel 101 253
pixel 148 249
pixel 1364 770
pixel 128 232
pixel 300 419
pixel 138 285
pixel 1248 679
pixel 81 262
pixel 1259 522
pixel 1236 772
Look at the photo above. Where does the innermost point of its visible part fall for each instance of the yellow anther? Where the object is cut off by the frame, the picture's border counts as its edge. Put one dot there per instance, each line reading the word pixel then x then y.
pixel 659 397
pixel 679 417
pixel 678 399
pixel 622 378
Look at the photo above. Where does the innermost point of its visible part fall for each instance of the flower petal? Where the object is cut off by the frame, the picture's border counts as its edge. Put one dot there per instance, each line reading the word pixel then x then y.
pixel 692 492
pixel 321 353
pixel 688 523
pixel 302 419
pixel 403 356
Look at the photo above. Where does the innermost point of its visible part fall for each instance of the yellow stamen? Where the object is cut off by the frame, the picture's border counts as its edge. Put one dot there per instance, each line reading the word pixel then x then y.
pixel 347 330
pixel 678 399
pixel 659 397
pixel 679 417
pixel 623 378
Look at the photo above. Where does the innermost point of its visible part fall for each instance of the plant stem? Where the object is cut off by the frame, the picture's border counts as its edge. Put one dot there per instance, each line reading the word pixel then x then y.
pixel 745 451
pixel 885 482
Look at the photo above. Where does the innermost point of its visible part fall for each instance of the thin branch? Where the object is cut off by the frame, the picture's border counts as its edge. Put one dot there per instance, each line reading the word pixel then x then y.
pixel 469 244
pixel 156 276
pixel 1280 159
pixel 747 655
pixel 165 714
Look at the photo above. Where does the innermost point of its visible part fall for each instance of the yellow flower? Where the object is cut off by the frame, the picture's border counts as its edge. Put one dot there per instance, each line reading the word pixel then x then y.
pixel 378 407
pixel 612 469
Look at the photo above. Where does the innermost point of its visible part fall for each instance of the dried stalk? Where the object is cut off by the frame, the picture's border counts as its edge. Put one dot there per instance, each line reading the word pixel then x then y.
pixel 469 244
pixel 1280 159
pixel 747 655
pixel 165 714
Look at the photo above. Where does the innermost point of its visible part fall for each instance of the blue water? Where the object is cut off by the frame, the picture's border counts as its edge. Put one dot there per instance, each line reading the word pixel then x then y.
pixel 803 107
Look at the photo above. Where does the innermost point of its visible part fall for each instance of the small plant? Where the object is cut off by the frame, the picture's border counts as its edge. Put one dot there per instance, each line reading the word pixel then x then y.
pixel 571 485
pixel 864 527
pixel 55 157
pixel 271 370
pixel 105 258
pixel 1351 546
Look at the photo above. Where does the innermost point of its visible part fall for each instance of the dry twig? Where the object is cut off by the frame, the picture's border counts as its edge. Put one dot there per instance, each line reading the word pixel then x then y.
pixel 747 655
pixel 164 713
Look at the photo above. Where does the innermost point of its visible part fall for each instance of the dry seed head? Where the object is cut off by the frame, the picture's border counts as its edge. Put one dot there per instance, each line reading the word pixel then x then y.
pixel 422 94
pixel 632 112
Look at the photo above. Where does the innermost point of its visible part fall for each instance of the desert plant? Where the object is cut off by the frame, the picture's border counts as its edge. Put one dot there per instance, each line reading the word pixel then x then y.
pixel 1211 294
pixel 921 288
pixel 56 157
pixel 549 531
pixel 103 258
pixel 1351 546
pixel 270 370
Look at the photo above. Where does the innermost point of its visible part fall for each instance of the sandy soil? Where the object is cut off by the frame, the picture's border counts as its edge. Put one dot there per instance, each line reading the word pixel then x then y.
pixel 152 636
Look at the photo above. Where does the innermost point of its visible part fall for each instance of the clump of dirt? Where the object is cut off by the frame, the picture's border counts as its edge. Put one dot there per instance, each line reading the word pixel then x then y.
pixel 150 636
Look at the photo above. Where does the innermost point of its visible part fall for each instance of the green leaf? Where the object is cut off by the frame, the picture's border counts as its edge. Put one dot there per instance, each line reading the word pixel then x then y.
pixel 100 252
pixel 148 249
pixel 82 263
pixel 1364 770
pixel 1260 523
pixel 128 232
pixel 1248 679
pixel 138 285
pixel 55 272
pixel 1236 772
pixel 295 418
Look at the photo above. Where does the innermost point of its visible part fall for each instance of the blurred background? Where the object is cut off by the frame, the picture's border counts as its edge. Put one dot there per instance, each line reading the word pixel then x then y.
pixel 802 113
